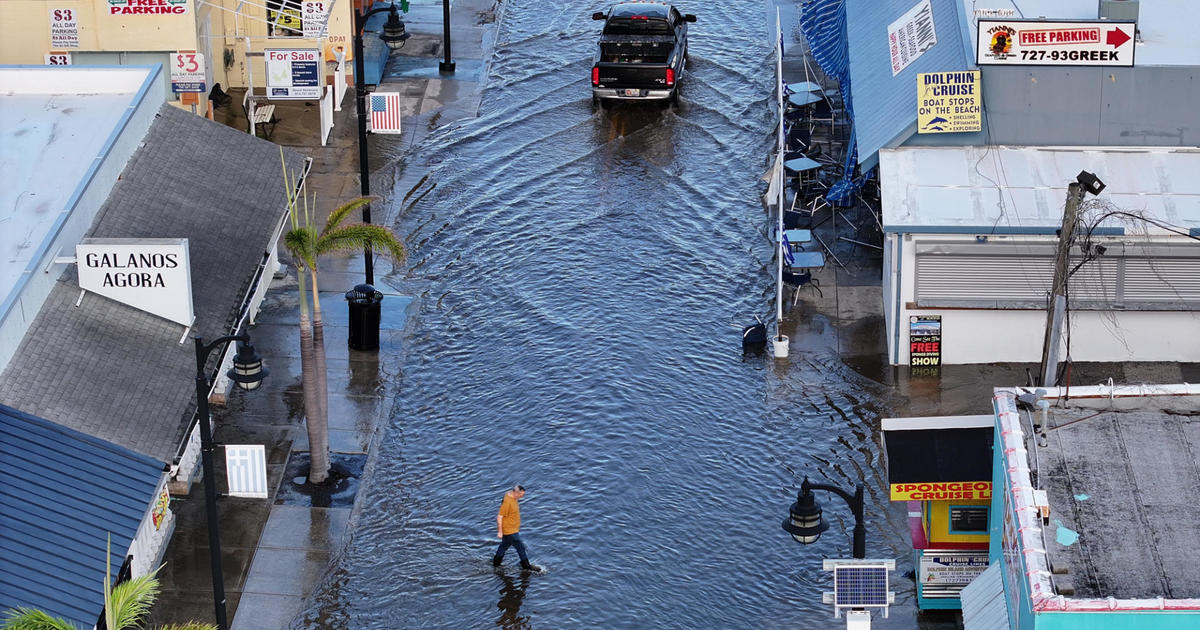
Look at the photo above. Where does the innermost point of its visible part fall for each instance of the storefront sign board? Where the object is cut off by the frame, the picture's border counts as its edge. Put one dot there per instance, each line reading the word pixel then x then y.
pixel 941 491
pixel 911 35
pixel 950 568
pixel 1042 43
pixel 151 274
pixel 949 102
pixel 293 74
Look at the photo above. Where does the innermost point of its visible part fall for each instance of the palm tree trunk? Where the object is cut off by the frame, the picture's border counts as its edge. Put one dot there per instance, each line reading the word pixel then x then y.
pixel 318 470
pixel 321 380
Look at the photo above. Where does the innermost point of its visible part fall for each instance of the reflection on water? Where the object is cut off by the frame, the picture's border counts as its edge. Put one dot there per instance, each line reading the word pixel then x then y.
pixel 576 273
pixel 511 594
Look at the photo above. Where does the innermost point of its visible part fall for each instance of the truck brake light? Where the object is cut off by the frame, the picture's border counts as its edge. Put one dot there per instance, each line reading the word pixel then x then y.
pixel 595 75
pixel 670 77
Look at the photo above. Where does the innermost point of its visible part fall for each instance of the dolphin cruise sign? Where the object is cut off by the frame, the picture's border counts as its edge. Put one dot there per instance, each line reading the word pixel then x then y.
pixel 949 102
pixel 149 274
pixel 1010 42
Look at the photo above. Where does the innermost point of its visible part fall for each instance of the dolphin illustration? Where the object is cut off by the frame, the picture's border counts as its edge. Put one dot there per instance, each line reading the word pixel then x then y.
pixel 937 121
pixel 935 128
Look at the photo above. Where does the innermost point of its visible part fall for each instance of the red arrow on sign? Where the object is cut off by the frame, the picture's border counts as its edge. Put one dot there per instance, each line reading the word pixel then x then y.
pixel 1116 37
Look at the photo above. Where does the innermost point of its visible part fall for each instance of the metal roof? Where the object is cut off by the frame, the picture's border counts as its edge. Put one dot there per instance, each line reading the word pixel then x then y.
pixel 1002 189
pixel 61 494
pixel 983 605
pixel 885 105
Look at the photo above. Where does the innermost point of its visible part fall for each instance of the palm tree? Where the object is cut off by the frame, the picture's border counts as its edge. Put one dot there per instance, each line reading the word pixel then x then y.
pixel 125 606
pixel 306 246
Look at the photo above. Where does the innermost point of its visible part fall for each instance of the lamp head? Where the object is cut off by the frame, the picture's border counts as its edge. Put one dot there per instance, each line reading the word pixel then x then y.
pixel 805 521
pixel 248 371
pixel 1090 182
pixel 394 33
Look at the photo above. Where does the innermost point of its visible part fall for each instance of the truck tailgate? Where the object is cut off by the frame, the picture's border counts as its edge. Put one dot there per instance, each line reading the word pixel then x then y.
pixel 633 75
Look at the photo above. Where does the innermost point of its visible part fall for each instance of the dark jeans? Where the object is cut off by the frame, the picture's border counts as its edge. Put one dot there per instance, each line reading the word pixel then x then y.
pixel 512 540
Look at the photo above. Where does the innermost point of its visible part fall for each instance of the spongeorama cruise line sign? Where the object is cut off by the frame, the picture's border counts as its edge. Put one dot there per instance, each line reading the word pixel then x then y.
pixel 149 274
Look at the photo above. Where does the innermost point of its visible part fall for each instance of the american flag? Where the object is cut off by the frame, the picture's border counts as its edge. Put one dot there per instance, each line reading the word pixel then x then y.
pixel 385 112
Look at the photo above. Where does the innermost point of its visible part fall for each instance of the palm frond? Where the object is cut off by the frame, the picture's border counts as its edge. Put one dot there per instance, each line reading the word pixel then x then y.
pixel 302 243
pixel 359 236
pixel 32 619
pixel 340 213
pixel 131 601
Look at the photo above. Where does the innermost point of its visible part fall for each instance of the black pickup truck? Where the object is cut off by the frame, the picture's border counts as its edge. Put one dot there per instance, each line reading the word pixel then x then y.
pixel 641 53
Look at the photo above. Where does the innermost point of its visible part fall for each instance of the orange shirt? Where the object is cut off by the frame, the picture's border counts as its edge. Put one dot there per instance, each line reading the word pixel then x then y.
pixel 510 512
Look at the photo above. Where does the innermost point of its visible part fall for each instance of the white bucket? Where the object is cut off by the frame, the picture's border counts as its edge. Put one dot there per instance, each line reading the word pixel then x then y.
pixel 780 345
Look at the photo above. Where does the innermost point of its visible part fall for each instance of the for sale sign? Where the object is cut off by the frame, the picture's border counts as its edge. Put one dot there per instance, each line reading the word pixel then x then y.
pixel 187 72
pixel 64 29
pixel 1041 43
pixel 293 74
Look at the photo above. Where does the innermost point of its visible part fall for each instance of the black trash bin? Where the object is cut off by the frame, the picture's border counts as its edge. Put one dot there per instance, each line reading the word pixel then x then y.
pixel 364 302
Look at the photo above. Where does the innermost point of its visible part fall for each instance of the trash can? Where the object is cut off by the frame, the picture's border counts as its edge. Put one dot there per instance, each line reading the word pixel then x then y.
pixel 364 302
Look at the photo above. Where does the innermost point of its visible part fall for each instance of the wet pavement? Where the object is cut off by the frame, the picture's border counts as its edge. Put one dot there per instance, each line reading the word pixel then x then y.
pixel 578 279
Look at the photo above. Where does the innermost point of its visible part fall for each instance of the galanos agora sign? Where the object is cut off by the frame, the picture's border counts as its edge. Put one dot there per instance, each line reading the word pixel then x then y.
pixel 149 274
pixel 147 7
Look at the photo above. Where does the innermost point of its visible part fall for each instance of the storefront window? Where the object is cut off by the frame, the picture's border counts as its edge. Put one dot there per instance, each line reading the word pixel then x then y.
pixel 968 519
pixel 284 18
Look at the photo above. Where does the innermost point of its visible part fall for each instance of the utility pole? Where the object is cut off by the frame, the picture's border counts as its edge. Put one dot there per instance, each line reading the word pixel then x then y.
pixel 1058 293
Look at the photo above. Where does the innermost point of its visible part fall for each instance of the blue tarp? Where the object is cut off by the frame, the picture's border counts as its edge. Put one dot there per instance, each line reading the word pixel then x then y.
pixel 823 23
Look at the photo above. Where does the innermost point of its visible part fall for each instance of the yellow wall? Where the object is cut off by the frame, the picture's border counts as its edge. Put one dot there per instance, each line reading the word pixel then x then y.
pixel 936 519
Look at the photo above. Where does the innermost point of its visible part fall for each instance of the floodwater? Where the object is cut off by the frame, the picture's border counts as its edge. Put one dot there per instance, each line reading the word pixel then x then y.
pixel 581 279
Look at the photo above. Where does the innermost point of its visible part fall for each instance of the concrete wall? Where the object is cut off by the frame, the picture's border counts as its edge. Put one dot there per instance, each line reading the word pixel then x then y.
pixel 1143 105
pixel 981 335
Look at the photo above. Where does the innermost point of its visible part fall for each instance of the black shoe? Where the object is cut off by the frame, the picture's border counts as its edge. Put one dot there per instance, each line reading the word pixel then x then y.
pixel 525 566
pixel 495 561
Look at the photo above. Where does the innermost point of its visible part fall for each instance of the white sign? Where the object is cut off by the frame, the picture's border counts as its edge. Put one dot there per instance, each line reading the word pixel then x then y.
pixel 246 470
pixel 293 74
pixel 187 72
pixel 941 569
pixel 1039 43
pixel 64 29
pixel 150 274
pixel 312 15
pixel 58 59
pixel 911 35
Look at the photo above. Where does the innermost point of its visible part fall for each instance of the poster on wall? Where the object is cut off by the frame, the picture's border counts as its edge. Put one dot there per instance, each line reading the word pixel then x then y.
pixel 64 29
pixel 949 569
pixel 284 17
pixel 949 102
pixel 925 340
pixel 58 59
pixel 293 74
pixel 1043 43
pixel 187 72
pixel 911 35
pixel 313 14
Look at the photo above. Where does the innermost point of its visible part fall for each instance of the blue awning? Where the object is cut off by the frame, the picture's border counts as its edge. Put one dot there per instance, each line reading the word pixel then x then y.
pixel 62 493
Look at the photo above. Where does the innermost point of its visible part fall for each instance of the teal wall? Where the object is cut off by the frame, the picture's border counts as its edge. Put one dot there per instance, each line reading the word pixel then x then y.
pixel 1143 620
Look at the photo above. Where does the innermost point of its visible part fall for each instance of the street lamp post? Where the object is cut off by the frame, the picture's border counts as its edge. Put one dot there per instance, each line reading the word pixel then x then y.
pixel 394 35
pixel 248 373
pixel 446 65
pixel 805 521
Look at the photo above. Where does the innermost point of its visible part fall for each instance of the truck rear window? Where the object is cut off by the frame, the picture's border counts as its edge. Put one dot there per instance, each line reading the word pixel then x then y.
pixel 637 26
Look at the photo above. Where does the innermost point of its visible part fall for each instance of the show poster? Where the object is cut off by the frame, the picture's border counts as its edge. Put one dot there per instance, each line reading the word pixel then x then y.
pixel 949 102
pixel 924 340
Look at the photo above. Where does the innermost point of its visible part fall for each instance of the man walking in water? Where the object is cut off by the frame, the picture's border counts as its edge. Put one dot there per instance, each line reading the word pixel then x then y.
pixel 508 524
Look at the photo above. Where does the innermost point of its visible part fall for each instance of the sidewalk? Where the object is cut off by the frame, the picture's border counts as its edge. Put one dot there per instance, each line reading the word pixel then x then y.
pixel 275 550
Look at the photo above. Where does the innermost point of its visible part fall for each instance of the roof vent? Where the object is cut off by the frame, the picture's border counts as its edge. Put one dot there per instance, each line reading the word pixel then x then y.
pixel 1121 10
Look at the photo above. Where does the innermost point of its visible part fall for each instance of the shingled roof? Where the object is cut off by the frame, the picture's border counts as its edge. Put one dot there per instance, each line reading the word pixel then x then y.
pixel 120 374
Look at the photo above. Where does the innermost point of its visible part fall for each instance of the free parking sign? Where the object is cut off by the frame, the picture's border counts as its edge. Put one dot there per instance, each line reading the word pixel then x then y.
pixel 1041 43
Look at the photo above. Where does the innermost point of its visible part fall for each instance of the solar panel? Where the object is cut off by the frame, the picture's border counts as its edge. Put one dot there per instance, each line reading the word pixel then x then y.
pixel 860 586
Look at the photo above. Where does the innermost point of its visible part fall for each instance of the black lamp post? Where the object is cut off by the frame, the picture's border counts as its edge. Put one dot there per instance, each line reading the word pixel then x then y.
pixel 805 521
pixel 248 373
pixel 394 35
pixel 446 65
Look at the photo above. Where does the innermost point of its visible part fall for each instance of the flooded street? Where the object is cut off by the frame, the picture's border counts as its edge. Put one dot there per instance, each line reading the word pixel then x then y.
pixel 581 277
